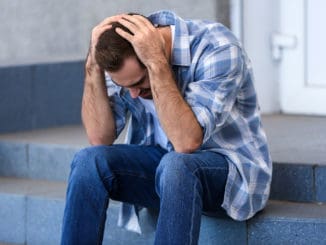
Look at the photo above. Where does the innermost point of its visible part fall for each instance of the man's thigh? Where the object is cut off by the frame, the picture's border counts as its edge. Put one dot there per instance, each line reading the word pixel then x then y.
pixel 131 173
pixel 209 168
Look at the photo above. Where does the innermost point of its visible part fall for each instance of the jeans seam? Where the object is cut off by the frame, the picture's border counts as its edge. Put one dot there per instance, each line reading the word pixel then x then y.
pixel 193 213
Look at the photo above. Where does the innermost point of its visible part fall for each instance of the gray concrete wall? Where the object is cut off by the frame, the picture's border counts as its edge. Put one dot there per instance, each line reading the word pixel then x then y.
pixel 36 31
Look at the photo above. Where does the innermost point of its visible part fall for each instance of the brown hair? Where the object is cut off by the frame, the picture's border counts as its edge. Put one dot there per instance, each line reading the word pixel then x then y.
pixel 112 49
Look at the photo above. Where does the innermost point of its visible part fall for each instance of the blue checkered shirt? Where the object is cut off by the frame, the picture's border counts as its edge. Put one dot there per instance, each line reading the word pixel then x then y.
pixel 215 77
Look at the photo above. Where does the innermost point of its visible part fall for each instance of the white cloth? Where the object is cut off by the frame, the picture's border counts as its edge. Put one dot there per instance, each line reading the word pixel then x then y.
pixel 159 134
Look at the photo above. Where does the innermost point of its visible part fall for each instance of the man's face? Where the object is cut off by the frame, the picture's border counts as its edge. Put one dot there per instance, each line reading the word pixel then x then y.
pixel 134 77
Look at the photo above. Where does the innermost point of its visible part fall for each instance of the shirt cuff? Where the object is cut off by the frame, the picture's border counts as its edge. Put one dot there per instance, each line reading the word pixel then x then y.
pixel 206 121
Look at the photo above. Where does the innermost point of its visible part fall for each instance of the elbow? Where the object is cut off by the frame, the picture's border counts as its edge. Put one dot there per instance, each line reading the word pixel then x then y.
pixel 190 143
pixel 100 140
pixel 189 146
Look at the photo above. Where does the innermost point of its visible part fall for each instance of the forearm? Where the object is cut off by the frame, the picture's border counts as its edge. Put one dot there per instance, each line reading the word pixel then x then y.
pixel 176 116
pixel 97 115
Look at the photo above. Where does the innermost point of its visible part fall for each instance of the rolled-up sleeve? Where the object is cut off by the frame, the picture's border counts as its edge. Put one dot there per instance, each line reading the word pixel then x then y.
pixel 215 86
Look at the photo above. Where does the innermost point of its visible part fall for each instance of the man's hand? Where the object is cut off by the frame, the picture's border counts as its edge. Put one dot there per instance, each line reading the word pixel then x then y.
pixel 146 40
pixel 96 33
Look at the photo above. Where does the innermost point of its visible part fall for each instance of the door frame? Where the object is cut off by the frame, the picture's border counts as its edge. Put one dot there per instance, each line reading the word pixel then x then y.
pixel 253 25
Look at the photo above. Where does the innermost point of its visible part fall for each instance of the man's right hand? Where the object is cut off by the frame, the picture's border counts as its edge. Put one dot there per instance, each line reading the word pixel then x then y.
pixel 96 33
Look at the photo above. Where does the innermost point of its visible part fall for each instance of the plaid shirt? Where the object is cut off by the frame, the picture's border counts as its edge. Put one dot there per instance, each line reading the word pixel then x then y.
pixel 215 78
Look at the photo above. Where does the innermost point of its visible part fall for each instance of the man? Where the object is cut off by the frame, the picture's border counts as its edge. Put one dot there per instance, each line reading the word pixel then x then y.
pixel 195 141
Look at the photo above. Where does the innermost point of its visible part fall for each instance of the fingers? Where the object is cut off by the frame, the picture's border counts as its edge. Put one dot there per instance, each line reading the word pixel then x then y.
pixel 136 24
pixel 110 19
pixel 136 21
pixel 98 30
pixel 125 19
pixel 104 28
pixel 124 34
pixel 104 25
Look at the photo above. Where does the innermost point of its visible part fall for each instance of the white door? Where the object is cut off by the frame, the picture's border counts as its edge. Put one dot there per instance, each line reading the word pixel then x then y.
pixel 302 62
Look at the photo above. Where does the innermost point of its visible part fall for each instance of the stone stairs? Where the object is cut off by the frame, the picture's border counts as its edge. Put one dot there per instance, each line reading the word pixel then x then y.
pixel 38 100
pixel 34 167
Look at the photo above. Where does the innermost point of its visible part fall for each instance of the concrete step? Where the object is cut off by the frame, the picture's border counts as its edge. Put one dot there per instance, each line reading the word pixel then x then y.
pixel 31 213
pixel 35 161
pixel 43 153
pixel 5 243
pixel 289 223
pixel 299 172
pixel 30 210
pixel 299 182
pixel 297 145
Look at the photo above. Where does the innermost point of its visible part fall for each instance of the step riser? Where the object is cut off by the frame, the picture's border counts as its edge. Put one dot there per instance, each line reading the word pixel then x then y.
pixel 13 216
pixel 36 161
pixel 43 221
pixel 287 232
pixel 299 183
pixel 291 182
pixel 31 213
pixel 37 221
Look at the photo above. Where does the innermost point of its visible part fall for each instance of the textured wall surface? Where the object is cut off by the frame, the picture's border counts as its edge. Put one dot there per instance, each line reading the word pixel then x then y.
pixel 42 48
pixel 40 96
pixel 37 31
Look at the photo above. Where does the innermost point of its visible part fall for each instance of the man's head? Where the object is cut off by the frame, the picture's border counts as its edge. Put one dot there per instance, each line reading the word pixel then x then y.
pixel 133 76
pixel 116 55
pixel 112 49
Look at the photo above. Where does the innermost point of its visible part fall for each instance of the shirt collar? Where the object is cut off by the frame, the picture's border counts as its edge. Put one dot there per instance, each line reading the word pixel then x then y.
pixel 181 43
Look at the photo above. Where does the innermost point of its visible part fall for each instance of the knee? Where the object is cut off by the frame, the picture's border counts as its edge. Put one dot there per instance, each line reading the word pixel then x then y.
pixel 84 158
pixel 174 171
pixel 172 162
pixel 87 163
pixel 85 180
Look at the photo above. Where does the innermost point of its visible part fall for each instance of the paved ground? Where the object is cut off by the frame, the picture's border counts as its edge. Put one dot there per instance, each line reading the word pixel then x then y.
pixel 292 139
pixel 296 139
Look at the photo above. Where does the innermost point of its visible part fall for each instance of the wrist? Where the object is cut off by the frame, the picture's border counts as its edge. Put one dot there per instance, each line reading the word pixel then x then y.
pixel 92 67
pixel 157 65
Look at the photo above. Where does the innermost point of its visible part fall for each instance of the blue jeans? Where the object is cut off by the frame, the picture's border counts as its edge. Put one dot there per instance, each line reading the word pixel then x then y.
pixel 181 186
